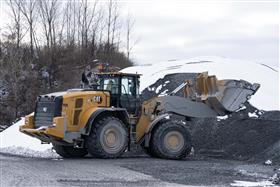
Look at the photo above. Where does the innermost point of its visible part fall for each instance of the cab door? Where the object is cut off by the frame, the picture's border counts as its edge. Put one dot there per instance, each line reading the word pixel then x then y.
pixel 129 94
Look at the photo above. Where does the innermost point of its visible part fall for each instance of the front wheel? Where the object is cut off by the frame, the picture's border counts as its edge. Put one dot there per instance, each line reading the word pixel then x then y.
pixel 108 138
pixel 171 140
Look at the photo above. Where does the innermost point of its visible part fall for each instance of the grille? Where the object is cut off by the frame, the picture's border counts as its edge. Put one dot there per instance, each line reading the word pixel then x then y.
pixel 46 109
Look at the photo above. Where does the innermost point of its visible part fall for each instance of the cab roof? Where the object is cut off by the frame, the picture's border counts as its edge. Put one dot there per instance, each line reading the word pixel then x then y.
pixel 119 74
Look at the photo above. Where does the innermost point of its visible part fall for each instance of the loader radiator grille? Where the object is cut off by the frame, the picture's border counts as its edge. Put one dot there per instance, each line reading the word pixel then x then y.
pixel 46 109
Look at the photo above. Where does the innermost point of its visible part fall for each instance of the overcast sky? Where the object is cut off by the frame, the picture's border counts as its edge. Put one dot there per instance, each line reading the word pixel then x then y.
pixel 183 29
pixel 170 29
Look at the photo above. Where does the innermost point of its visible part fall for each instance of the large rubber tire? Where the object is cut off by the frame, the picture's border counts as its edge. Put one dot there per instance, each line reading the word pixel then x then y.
pixel 69 151
pixel 171 140
pixel 108 138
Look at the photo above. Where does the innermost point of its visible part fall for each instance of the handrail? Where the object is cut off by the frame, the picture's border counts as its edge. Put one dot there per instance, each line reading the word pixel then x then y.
pixel 178 88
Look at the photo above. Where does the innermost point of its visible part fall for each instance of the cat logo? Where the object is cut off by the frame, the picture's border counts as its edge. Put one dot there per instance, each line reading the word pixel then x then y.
pixel 97 99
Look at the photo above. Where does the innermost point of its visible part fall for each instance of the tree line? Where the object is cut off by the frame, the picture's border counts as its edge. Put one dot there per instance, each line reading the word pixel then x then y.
pixel 47 44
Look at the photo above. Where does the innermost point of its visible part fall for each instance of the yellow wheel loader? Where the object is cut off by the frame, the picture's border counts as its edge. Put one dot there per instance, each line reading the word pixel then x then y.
pixel 109 118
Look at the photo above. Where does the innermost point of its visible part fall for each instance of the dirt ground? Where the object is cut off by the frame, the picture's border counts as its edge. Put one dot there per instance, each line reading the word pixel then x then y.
pixel 131 171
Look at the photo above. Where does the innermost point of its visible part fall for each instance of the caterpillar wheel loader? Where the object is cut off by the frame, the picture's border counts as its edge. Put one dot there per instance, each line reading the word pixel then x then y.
pixel 109 118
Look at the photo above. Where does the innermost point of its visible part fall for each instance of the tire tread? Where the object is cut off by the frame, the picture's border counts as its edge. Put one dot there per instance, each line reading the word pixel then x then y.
pixel 93 144
pixel 157 145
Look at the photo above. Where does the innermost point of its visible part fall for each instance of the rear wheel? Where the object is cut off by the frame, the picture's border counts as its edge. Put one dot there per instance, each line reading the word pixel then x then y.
pixel 108 138
pixel 69 151
pixel 171 140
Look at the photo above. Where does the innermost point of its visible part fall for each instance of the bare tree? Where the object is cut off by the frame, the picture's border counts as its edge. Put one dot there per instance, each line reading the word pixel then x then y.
pixel 112 25
pixel 15 72
pixel 115 22
pixel 71 21
pixel 29 12
pixel 109 23
pixel 94 33
pixel 49 15
pixel 79 24
pixel 129 26
pixel 16 28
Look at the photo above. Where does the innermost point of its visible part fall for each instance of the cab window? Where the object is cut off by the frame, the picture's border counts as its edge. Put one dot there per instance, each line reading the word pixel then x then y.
pixel 128 86
pixel 110 84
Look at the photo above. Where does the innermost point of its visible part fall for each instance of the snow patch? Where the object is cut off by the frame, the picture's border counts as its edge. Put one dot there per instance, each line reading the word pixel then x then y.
pixel 268 162
pixel 26 152
pixel 252 115
pixel 251 184
pixel 57 159
pixel 163 93
pixel 247 173
pixel 165 83
pixel 55 94
pixel 158 89
pixel 13 142
pixel 242 108
pixel 151 89
pixel 275 179
pixel 219 118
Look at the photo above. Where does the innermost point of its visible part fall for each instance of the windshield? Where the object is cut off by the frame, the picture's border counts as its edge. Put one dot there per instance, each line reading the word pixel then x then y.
pixel 108 83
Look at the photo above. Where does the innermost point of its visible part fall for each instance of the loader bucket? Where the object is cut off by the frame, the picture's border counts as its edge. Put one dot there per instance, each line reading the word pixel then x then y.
pixel 223 96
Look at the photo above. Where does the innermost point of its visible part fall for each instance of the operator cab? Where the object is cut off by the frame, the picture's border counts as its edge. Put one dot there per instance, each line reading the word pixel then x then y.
pixel 123 87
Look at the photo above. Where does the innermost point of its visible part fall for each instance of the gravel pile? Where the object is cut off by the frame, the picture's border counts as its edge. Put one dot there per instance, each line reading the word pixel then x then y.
pixel 238 137
pixel 242 135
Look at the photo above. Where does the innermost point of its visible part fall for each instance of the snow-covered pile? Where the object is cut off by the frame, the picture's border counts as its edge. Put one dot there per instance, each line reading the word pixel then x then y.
pixel 14 142
pixel 266 98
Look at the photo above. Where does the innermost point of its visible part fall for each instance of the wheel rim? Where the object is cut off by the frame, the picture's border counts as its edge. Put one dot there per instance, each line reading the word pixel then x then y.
pixel 112 138
pixel 174 141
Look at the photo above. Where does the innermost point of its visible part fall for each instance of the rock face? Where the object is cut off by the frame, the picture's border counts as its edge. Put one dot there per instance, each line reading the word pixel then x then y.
pixel 239 136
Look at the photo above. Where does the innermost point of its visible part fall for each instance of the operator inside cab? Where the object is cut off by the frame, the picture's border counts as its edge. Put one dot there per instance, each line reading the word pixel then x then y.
pixel 112 86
